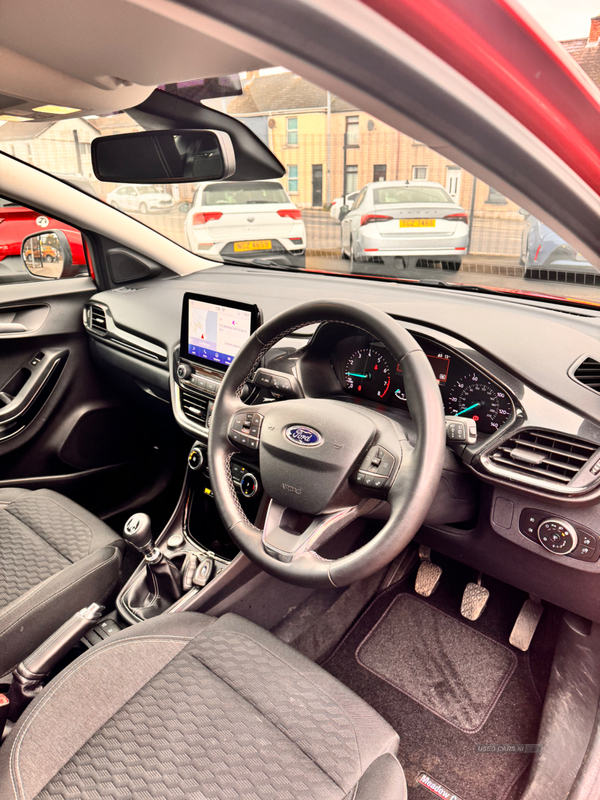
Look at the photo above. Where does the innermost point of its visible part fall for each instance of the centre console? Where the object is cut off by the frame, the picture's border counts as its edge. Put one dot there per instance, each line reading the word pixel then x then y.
pixel 195 549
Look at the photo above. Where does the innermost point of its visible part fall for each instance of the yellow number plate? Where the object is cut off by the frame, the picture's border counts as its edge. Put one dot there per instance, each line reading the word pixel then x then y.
pixel 417 223
pixel 263 244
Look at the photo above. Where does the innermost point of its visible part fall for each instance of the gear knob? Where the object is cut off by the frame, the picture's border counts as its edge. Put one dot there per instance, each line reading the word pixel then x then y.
pixel 138 532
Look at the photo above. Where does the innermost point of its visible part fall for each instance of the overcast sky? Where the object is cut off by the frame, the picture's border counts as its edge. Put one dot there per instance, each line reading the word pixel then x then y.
pixel 563 19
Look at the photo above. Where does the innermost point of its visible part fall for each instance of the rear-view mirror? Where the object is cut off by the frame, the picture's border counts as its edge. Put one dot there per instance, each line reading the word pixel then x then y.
pixel 172 156
pixel 49 255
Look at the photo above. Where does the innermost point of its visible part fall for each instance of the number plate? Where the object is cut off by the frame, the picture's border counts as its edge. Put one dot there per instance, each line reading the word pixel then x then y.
pixel 241 247
pixel 417 223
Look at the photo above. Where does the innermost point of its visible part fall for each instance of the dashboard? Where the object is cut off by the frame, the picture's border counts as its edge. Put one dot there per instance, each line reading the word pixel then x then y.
pixel 509 365
pixel 366 369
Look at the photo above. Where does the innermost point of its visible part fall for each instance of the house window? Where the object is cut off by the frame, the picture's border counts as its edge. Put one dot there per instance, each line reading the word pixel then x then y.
pixel 419 173
pixel 496 198
pixel 351 178
pixel 351 131
pixel 292 130
pixel 292 178
pixel 379 172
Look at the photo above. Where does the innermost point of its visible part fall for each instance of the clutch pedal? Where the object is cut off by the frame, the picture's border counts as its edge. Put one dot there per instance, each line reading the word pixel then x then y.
pixel 428 575
pixel 474 600
pixel 526 624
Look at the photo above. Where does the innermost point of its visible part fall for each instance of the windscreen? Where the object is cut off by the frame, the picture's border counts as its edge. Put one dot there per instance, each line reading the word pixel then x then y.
pixel 396 195
pixel 238 193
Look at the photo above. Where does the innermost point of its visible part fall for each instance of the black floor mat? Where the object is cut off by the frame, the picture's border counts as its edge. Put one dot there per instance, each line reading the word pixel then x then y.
pixel 451 669
pixel 473 702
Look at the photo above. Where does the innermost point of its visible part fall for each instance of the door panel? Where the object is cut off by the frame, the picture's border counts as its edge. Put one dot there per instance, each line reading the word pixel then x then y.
pixel 62 424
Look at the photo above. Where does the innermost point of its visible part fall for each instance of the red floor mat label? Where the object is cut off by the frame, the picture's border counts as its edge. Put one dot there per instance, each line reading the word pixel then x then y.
pixel 437 788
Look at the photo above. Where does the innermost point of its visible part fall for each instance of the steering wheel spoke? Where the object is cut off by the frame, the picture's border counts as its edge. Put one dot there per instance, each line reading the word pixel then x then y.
pixel 288 534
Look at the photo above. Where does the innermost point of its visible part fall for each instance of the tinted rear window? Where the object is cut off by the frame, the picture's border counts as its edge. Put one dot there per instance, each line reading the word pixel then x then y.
pixel 227 194
pixel 410 194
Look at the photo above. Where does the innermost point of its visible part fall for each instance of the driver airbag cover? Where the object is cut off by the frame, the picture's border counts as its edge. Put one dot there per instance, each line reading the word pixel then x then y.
pixel 306 477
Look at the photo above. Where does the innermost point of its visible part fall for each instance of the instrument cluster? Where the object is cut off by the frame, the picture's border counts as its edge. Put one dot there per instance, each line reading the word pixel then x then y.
pixel 368 370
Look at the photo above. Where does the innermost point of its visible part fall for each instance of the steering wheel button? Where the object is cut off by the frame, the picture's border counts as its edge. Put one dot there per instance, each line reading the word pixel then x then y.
pixel 253 430
pixel 375 462
pixel 252 444
pixel 360 478
pixel 257 420
pixel 369 480
pixel 379 483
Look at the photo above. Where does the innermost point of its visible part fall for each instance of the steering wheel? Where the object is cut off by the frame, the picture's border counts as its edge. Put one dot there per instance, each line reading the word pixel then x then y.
pixel 325 462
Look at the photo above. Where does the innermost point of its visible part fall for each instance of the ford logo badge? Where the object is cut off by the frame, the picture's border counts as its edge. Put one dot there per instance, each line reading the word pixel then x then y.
pixel 300 434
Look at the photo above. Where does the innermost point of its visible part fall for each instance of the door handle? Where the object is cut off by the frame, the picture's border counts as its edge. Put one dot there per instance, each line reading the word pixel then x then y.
pixel 12 327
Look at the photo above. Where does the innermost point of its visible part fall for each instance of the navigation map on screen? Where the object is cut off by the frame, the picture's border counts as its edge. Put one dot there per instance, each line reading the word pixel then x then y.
pixel 216 332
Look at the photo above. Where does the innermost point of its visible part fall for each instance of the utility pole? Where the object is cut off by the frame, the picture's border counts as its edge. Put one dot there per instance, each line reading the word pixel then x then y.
pixel 77 153
pixel 473 193
pixel 345 159
pixel 328 196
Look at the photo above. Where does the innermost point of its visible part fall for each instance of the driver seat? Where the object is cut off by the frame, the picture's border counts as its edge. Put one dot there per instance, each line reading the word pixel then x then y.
pixel 197 707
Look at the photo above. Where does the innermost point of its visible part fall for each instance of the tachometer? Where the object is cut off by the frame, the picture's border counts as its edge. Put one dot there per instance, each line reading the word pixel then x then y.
pixel 476 397
pixel 367 374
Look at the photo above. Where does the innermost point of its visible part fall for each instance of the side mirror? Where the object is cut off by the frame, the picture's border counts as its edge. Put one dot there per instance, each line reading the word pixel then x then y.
pixel 184 207
pixel 343 212
pixel 172 156
pixel 49 255
pixel 523 212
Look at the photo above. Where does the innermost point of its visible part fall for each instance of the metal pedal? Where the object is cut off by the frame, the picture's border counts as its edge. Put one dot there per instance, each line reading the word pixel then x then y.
pixel 474 600
pixel 428 575
pixel 527 621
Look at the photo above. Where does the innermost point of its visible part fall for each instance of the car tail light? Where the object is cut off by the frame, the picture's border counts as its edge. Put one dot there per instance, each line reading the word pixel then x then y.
pixel 206 216
pixel 537 252
pixel 292 213
pixel 367 218
pixel 457 218
pixel 296 240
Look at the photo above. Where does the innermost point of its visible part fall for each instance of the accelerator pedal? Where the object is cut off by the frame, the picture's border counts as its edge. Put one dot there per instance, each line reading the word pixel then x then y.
pixel 526 624
pixel 474 600
pixel 428 575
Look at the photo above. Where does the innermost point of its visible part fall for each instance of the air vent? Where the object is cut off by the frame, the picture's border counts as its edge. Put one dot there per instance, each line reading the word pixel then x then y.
pixel 193 406
pixel 543 455
pixel 588 373
pixel 97 319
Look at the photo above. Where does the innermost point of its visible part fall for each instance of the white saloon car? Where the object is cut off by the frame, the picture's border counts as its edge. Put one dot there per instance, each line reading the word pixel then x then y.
pixel 244 218
pixel 405 218
pixel 338 203
pixel 140 198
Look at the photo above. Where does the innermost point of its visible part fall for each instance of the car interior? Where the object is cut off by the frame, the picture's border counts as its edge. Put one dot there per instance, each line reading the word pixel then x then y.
pixel 271 529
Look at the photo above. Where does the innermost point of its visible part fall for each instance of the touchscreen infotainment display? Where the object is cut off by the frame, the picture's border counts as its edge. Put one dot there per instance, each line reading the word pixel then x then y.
pixel 213 329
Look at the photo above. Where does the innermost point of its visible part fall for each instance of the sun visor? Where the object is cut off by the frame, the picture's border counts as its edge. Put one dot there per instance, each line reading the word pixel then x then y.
pixel 163 110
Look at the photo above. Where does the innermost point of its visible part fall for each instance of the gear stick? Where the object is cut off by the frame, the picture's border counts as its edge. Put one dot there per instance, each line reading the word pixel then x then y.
pixel 162 584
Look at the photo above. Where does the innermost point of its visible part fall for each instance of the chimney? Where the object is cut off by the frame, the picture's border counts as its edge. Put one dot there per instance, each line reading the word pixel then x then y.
pixel 594 32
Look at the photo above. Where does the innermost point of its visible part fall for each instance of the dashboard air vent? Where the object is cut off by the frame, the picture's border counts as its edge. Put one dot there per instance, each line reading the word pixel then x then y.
pixel 588 373
pixel 97 319
pixel 193 406
pixel 543 455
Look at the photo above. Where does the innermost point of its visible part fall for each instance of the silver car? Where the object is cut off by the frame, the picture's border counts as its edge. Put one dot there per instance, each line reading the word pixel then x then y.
pixel 415 219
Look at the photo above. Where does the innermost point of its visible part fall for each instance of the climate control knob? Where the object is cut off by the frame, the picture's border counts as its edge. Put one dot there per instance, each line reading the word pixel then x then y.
pixel 184 371
pixel 557 536
pixel 249 485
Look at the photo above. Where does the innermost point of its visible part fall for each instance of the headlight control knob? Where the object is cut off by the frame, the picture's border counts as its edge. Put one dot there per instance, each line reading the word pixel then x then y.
pixel 196 457
pixel 184 371
pixel 557 536
pixel 249 485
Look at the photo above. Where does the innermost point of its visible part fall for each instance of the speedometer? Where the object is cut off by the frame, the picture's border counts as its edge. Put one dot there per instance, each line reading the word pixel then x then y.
pixel 367 374
pixel 474 396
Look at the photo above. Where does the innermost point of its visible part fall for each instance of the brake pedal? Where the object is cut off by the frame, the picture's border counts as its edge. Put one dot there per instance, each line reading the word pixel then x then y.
pixel 428 575
pixel 526 624
pixel 474 600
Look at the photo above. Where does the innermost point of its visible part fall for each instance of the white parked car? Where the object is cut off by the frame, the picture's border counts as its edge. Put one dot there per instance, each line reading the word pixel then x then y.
pixel 337 204
pixel 405 218
pixel 244 218
pixel 141 198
